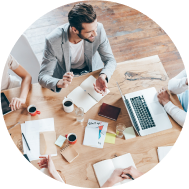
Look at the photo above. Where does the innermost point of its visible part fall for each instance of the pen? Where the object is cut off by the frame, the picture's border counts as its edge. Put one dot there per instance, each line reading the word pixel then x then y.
pixel 26 141
pixel 130 176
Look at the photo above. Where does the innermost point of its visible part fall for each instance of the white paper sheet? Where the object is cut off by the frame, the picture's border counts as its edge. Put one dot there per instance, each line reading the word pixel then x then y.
pixel 31 130
pixel 163 151
pixel 91 136
pixel 87 85
pixel 95 124
pixel 82 99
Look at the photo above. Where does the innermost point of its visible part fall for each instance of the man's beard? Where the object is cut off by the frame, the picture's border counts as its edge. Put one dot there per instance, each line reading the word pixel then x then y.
pixel 86 39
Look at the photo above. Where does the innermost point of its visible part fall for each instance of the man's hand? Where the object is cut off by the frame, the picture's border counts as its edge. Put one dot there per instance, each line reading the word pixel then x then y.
pixel 101 85
pixel 66 80
pixel 132 171
pixel 163 96
pixel 16 103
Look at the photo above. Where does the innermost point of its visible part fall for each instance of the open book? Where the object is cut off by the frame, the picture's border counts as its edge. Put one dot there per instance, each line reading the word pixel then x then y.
pixel 104 169
pixel 85 96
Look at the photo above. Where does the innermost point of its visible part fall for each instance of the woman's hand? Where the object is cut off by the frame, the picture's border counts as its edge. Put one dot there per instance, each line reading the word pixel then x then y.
pixel 16 103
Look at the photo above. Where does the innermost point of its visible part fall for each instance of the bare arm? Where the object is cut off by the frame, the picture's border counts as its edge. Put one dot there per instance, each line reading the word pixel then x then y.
pixel 25 87
pixel 26 81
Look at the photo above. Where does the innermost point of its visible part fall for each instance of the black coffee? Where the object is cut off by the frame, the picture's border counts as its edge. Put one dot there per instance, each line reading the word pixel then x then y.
pixel 72 138
pixel 67 103
pixel 32 109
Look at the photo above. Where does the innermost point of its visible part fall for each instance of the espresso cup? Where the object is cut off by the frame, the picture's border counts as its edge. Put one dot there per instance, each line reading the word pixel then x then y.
pixel 32 110
pixel 72 138
pixel 68 105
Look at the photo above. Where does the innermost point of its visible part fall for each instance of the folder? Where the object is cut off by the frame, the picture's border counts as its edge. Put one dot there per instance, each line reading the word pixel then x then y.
pixel 47 140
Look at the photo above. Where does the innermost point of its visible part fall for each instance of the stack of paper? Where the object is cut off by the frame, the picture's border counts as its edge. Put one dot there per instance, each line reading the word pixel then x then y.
pixel 95 133
pixel 163 151
pixel 31 131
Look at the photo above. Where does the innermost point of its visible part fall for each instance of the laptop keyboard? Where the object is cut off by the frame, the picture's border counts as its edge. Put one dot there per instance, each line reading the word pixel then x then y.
pixel 142 112
pixel 132 116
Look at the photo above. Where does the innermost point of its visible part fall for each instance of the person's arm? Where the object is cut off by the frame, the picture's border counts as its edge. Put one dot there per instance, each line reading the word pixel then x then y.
pixel 25 87
pixel 46 162
pixel 179 83
pixel 47 69
pixel 106 55
pixel 120 174
pixel 176 113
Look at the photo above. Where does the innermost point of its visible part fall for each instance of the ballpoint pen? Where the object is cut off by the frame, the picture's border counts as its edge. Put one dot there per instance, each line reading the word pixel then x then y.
pixel 26 141
pixel 130 176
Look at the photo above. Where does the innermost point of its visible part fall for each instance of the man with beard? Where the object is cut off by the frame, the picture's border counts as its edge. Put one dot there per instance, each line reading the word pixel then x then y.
pixel 76 48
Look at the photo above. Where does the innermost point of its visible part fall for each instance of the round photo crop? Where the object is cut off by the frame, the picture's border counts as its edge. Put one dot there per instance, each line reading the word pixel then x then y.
pixel 115 65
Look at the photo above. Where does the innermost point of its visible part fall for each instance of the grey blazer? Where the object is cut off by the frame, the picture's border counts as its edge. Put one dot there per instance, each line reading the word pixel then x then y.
pixel 57 57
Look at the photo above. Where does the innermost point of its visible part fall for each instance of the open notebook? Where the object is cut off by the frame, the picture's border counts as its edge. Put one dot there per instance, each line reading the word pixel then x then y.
pixel 104 169
pixel 85 96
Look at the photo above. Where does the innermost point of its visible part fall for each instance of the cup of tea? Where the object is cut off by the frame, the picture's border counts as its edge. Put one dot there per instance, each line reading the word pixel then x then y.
pixel 72 138
pixel 68 105
pixel 32 110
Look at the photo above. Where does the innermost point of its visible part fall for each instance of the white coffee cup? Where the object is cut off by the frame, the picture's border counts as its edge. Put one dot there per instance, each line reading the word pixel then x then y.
pixel 68 105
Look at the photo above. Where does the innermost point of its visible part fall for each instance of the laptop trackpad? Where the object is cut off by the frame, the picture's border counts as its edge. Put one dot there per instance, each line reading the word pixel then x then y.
pixel 156 108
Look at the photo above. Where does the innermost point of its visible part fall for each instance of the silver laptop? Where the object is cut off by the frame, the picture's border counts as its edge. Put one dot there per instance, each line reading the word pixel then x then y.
pixel 146 113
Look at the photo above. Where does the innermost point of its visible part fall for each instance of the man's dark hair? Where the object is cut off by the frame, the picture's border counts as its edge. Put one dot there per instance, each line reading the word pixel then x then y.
pixel 81 13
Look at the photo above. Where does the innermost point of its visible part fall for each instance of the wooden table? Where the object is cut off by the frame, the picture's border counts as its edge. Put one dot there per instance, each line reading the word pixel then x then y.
pixel 131 76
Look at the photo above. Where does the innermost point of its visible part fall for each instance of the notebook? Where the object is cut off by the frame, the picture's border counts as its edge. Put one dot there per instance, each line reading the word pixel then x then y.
pixel 69 153
pixel 105 168
pixel 84 95
pixel 163 151
pixel 109 111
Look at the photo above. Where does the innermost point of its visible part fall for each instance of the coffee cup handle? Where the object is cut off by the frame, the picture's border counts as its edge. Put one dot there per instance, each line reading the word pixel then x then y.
pixel 66 136
pixel 38 112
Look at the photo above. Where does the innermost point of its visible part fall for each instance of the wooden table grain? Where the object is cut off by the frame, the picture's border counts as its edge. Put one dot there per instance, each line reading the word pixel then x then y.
pixel 131 75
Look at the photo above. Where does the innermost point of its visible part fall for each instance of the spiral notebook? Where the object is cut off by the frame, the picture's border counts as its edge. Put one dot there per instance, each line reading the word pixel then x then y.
pixel 69 153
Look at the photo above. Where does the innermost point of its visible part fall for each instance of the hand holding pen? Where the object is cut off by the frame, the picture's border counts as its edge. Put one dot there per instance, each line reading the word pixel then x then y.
pixel 131 173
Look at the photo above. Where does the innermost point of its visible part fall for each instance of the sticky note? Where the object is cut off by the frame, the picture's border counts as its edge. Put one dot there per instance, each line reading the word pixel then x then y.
pixel 60 140
pixel 110 138
pixel 129 133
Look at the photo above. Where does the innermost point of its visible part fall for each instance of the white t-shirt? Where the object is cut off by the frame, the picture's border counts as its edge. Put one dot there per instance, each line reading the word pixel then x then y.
pixel 9 81
pixel 77 55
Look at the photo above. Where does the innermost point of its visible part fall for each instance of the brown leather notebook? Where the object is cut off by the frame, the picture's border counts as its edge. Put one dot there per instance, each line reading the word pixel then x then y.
pixel 109 111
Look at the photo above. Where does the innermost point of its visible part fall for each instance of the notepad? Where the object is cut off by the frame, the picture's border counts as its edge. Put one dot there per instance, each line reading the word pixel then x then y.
pixel 69 153
pixel 84 95
pixel 110 138
pixel 105 168
pixel 163 151
pixel 60 141
pixel 129 133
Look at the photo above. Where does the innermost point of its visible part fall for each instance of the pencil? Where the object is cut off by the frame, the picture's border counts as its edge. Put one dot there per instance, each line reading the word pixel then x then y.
pixel 26 141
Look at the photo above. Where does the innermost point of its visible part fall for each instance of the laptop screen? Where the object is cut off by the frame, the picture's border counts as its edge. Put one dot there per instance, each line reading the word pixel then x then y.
pixel 5 104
